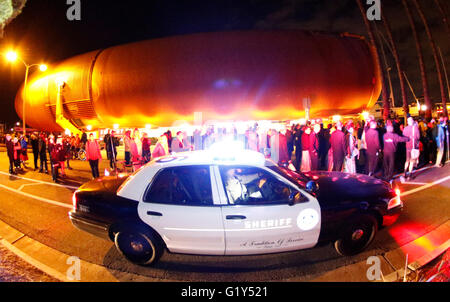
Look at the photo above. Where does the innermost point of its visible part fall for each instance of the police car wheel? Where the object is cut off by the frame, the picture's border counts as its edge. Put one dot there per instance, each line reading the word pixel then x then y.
pixel 357 235
pixel 139 247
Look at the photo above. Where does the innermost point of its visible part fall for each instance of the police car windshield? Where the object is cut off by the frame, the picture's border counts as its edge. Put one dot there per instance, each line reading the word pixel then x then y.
pixel 295 177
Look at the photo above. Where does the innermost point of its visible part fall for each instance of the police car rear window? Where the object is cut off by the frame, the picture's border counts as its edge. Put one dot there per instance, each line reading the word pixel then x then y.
pixel 189 185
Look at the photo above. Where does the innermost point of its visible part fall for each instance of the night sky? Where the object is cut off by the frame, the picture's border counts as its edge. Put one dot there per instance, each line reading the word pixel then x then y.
pixel 43 33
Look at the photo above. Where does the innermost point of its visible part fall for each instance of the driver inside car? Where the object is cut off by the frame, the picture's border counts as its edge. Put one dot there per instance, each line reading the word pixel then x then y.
pixel 241 186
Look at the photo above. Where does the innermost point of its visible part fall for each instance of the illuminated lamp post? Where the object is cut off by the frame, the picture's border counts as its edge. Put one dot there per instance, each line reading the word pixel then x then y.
pixel 12 56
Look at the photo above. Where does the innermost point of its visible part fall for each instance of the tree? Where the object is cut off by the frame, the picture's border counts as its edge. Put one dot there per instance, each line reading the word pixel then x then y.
pixel 394 50
pixel 423 73
pixel 444 15
pixel 435 56
pixel 372 41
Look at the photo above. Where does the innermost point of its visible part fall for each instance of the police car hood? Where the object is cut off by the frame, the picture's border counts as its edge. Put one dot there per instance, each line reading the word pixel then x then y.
pixel 337 187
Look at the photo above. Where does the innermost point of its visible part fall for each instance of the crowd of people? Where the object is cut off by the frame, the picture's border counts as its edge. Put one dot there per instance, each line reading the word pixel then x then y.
pixel 377 148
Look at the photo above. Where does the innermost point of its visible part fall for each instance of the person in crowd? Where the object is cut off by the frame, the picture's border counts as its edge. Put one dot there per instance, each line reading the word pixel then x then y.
pixel 391 141
pixel 62 155
pixel 432 146
pixel 289 142
pixel 10 152
pixel 298 146
pixel 83 140
pixel 278 148
pixel 352 150
pixel 42 145
pixel 177 143
pixel 306 159
pixel 330 165
pixel 412 147
pixel 137 138
pixel 77 144
pixel 93 155
pixel 324 146
pixel 441 141
pixel 17 154
pixel 111 144
pixel 34 141
pixel 24 151
pixel 57 159
pixel 373 147
pixel 127 147
pixel 161 147
pixel 51 142
pixel 314 148
pixel 134 148
pixel 362 147
pixel 169 139
pixel 339 146
pixel 252 139
pixel 198 141
pixel 146 148
pixel 187 141
pixel 67 150
pixel 262 143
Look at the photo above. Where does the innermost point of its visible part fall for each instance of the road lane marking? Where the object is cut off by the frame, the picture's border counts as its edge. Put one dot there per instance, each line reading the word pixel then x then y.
pixel 39 181
pixel 46 200
pixel 26 185
pixel 414 183
pixel 421 169
pixel 425 186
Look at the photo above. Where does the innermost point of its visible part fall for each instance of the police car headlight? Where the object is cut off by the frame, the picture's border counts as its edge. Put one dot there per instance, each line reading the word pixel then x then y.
pixel 396 201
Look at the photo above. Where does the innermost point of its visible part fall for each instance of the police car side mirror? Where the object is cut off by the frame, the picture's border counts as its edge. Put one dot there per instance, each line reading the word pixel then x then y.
pixel 312 186
pixel 294 198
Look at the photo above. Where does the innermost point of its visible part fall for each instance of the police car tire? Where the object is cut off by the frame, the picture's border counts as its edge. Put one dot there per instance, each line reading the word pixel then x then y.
pixel 151 247
pixel 347 245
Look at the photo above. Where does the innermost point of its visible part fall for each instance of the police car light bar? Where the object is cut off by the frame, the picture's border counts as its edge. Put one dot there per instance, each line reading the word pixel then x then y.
pixel 234 151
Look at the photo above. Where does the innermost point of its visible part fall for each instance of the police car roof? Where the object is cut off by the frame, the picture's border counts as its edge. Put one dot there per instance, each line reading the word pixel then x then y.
pixel 207 157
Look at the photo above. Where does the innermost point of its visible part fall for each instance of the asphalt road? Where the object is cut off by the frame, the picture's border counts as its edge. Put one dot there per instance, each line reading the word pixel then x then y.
pixel 49 224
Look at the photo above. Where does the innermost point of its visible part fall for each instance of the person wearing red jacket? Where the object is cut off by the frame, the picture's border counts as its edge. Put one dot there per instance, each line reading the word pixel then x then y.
pixel 314 148
pixel 93 155
pixel 339 146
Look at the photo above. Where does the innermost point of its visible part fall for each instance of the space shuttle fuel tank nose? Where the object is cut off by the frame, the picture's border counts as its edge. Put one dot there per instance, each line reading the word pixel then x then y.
pixel 244 75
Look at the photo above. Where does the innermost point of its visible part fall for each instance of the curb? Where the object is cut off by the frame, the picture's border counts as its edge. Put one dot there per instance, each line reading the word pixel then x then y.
pixel 57 264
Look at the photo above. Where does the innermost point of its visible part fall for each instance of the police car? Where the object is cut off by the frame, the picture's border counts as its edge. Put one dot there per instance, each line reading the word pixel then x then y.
pixel 208 203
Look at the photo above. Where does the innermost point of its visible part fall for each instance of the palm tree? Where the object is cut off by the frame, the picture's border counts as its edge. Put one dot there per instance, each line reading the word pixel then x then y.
pixel 435 56
pixel 372 41
pixel 444 15
pixel 394 50
pixel 423 74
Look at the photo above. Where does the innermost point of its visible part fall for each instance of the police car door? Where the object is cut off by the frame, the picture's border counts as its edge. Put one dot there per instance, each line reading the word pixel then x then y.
pixel 179 205
pixel 259 217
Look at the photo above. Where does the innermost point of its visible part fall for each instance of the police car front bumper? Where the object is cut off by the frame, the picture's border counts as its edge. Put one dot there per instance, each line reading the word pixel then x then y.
pixel 392 215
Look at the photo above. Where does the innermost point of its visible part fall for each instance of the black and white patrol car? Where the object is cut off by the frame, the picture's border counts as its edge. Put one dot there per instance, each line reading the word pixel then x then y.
pixel 242 204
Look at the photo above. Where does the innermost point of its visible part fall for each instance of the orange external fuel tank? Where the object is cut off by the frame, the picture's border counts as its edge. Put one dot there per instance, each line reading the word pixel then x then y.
pixel 243 75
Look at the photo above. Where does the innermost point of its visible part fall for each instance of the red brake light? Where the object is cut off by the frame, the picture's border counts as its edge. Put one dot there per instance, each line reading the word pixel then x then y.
pixel 74 200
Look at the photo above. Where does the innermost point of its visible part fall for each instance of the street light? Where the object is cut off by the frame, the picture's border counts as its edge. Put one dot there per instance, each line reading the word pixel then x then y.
pixel 12 56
